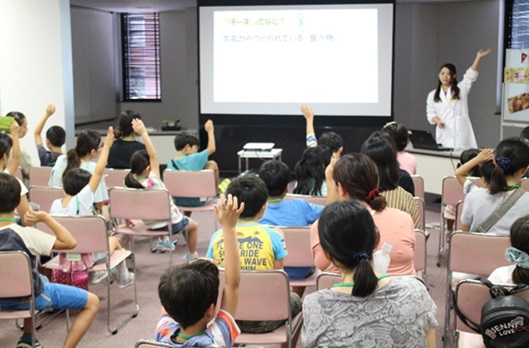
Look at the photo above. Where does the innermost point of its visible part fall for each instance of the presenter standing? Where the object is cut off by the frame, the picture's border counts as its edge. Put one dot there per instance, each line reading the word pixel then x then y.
pixel 447 106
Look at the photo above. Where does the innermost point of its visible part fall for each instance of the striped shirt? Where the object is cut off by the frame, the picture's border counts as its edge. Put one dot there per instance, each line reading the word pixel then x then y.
pixel 402 200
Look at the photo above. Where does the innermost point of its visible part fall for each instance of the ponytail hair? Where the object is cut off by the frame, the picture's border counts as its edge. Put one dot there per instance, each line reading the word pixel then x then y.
pixel 87 141
pixel 358 175
pixel 348 235
pixel 310 170
pixel 381 148
pixel 124 126
pixel 511 155
pixel 139 161
pixel 453 85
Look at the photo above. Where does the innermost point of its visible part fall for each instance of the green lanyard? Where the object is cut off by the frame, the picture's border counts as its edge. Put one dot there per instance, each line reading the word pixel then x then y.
pixel 9 219
pixel 275 200
pixel 350 285
pixel 188 337
pixel 513 186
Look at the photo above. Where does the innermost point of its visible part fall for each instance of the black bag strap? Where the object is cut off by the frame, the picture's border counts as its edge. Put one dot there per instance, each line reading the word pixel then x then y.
pixel 471 324
pixel 174 164
pixel 502 209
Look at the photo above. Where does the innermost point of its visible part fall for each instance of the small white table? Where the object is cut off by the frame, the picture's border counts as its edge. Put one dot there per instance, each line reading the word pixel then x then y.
pixel 271 154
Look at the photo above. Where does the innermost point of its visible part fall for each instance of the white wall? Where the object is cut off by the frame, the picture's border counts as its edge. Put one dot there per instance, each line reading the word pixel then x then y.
pixel 35 63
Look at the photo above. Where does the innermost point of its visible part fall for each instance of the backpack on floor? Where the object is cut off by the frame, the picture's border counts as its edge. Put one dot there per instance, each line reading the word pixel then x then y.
pixel 504 318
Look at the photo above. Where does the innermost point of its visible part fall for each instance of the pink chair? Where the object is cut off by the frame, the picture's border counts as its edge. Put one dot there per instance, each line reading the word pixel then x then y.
pixel 146 343
pixel 115 177
pixel 44 196
pixel 39 176
pixel 326 280
pixel 265 295
pixel 138 205
pixel 524 184
pixel 17 281
pixel 474 253
pixel 452 193
pixel 420 255
pixel 91 235
pixel 459 212
pixel 418 183
pixel 319 200
pixel 297 240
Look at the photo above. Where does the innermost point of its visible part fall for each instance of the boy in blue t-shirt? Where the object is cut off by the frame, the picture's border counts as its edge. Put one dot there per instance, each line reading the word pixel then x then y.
pixel 188 158
pixel 189 293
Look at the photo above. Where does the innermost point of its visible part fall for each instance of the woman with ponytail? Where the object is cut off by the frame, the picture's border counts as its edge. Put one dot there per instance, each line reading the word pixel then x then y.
pixel 511 161
pixel 126 143
pixel 355 177
pixel 366 306
pixel 86 150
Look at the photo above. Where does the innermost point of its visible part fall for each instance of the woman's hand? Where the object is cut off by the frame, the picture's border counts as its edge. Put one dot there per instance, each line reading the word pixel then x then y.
pixel 482 53
pixel 438 121
pixel 138 126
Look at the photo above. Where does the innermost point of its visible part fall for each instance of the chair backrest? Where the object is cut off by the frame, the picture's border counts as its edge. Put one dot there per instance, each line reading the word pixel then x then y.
pixel 146 343
pixel 326 280
pixel 418 183
pixel 39 176
pixel 15 272
pixel 264 295
pixel 421 207
pixel 183 183
pixel 90 232
pixel 476 181
pixel 115 177
pixel 419 255
pixel 459 211
pixel 477 253
pixel 452 191
pixel 44 196
pixel 524 184
pixel 127 203
pixel 297 240
pixel 320 200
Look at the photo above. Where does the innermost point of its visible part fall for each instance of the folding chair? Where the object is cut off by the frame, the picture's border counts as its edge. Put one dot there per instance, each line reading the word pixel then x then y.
pixel 115 177
pixel 265 295
pixel 319 200
pixel 297 240
pixel 44 196
pixel 524 184
pixel 17 281
pixel 474 253
pixel 91 235
pixel 39 176
pixel 326 280
pixel 192 184
pixel 422 212
pixel 459 212
pixel 418 183
pixel 138 205
pixel 452 193
pixel 146 343
pixel 420 255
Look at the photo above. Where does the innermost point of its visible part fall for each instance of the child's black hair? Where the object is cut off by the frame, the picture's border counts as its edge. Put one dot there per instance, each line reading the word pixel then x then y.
pixel 399 133
pixel 511 155
pixel 310 170
pixel 520 241
pixel 181 140
pixel 524 134
pixel 124 127
pixel 87 141
pixel 6 143
pixel 56 136
pixel 276 176
pixel 10 193
pixel 485 170
pixel 18 116
pixel 186 291
pixel 251 190
pixel 348 235
pixel 74 180
pixel 381 148
pixel 466 156
pixel 331 139
pixel 139 161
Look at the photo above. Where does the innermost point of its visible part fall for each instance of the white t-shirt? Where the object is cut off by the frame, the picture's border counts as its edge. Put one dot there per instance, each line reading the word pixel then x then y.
pixel 80 205
pixel 502 275
pixel 23 188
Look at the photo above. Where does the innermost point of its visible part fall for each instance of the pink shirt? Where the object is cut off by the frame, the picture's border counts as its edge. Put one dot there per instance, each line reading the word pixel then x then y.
pixel 395 227
pixel 407 162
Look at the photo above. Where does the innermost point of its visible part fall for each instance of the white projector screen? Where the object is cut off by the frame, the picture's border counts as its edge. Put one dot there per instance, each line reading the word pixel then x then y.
pixel 267 60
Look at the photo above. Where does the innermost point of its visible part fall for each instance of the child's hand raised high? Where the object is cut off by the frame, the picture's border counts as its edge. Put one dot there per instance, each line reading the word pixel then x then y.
pixel 138 126
pixel 109 140
pixel 485 155
pixel 228 213
pixel 50 110
pixel 13 128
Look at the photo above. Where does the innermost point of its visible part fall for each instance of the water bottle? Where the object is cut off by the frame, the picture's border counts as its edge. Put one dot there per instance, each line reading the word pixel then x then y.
pixel 382 258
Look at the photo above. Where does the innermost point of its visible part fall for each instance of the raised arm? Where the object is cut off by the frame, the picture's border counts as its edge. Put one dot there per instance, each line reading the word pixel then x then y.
pixel 479 55
pixel 210 129
pixel 310 134
pixel 102 161
pixel 50 110
pixel 484 156
pixel 139 128
pixel 15 151
pixel 332 190
pixel 64 239
pixel 227 215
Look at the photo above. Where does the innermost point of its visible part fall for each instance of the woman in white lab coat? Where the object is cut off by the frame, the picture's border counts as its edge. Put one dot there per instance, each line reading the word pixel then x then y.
pixel 447 106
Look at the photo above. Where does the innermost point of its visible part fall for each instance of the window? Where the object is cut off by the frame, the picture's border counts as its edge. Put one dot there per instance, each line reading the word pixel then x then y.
pixel 517 24
pixel 141 56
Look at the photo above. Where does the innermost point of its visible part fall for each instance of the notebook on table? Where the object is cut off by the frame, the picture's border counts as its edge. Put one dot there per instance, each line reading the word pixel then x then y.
pixel 424 140
pixel 258 146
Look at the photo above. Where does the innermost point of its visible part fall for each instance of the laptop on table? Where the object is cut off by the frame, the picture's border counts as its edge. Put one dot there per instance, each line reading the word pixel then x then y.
pixel 424 140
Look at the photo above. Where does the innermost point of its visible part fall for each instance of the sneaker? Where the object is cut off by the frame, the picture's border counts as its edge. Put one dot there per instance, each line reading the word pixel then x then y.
pixel 190 257
pixel 23 344
pixel 98 276
pixel 126 281
pixel 164 244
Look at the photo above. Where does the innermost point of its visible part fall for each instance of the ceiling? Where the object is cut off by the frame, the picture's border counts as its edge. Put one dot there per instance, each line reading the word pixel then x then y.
pixel 135 5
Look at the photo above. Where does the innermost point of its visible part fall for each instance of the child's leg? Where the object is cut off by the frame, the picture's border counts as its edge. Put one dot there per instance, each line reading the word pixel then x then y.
pixel 83 321
pixel 212 165
pixel 192 235
pixel 114 244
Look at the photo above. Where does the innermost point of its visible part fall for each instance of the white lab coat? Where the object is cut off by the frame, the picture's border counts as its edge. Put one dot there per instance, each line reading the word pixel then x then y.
pixel 457 132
